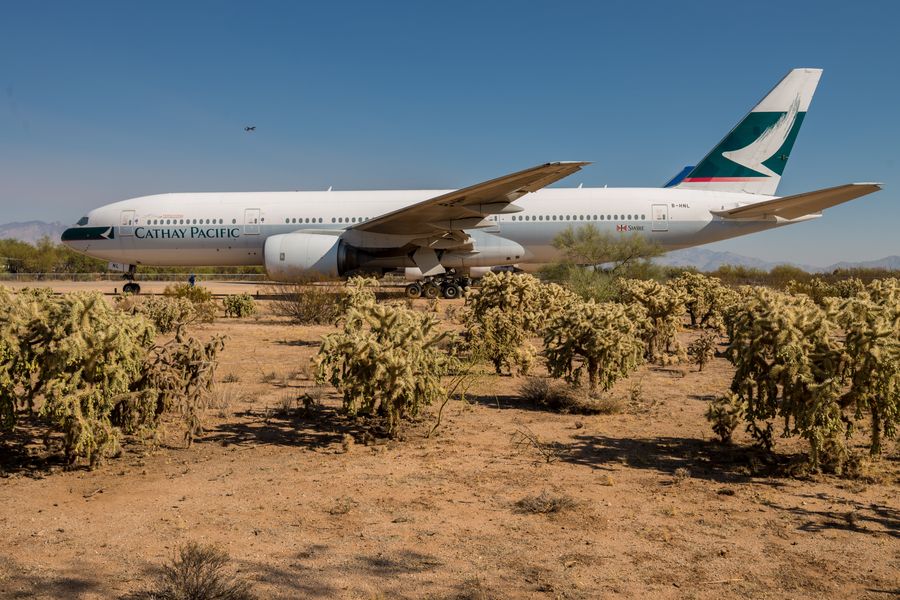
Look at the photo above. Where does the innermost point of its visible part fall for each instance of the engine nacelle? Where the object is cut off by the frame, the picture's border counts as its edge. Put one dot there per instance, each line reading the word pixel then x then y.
pixel 295 256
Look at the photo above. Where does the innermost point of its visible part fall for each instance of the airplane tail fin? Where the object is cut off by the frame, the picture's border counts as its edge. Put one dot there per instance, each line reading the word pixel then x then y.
pixel 752 157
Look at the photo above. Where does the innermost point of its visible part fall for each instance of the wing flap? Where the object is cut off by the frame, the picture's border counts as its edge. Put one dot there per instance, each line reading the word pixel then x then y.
pixel 800 205
pixel 487 198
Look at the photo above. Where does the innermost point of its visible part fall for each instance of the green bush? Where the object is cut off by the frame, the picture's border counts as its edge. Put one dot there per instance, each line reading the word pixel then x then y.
pixel 205 306
pixel 167 313
pixel 239 305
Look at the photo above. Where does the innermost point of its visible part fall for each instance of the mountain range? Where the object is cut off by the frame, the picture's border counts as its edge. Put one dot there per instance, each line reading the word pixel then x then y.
pixel 698 258
pixel 31 231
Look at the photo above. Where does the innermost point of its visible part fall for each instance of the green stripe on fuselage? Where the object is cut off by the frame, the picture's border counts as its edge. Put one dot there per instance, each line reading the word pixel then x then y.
pixel 79 234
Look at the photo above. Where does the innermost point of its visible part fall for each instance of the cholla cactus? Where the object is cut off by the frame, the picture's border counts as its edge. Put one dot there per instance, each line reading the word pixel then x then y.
pixel 871 321
pixel 821 291
pixel 702 349
pixel 385 361
pixel 167 313
pixel 599 339
pixel 89 368
pixel 707 299
pixel 239 305
pixel 359 292
pixel 176 377
pixel 788 366
pixel 724 414
pixel 509 292
pixel 204 305
pixel 665 308
pixel 501 315
pixel 76 355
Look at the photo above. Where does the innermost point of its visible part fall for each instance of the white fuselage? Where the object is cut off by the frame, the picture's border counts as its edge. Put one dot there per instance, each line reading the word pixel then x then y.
pixel 230 229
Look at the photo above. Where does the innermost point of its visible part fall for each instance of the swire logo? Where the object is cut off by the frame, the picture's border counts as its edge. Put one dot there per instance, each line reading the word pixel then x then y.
pixel 629 227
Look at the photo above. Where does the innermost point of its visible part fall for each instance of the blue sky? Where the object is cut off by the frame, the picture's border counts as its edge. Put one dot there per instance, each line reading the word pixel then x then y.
pixel 101 101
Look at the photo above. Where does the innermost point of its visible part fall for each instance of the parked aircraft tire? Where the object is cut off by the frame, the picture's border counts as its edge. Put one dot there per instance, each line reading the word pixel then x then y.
pixel 414 290
pixel 430 291
pixel 131 288
pixel 452 291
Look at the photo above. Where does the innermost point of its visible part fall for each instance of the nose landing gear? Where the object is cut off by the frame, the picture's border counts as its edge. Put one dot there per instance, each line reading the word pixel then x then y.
pixel 448 285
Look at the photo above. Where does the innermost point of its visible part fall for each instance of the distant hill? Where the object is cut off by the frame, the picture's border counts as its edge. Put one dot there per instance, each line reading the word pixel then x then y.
pixel 888 262
pixel 32 231
pixel 710 260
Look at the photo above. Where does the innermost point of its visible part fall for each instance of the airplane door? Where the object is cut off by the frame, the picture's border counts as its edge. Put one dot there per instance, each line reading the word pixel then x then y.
pixel 251 221
pixel 127 223
pixel 660 213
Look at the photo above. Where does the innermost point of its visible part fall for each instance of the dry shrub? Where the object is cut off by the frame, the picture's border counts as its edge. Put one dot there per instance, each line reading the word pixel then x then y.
pixel 545 503
pixel 306 304
pixel 559 397
pixel 199 572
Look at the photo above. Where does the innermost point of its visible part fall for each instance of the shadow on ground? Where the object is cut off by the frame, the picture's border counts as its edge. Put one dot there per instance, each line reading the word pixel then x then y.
pixel 317 427
pixel 18 582
pixel 703 459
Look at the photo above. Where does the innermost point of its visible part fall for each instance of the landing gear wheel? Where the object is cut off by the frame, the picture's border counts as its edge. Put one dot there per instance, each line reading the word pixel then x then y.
pixel 430 291
pixel 131 288
pixel 414 290
pixel 451 291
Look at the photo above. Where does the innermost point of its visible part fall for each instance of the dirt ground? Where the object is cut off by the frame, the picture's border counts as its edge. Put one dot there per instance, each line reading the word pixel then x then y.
pixel 307 506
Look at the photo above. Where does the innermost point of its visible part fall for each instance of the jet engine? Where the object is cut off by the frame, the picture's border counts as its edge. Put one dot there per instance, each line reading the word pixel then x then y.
pixel 294 256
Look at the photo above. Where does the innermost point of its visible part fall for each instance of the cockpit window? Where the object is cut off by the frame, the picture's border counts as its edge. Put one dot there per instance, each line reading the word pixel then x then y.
pixel 83 221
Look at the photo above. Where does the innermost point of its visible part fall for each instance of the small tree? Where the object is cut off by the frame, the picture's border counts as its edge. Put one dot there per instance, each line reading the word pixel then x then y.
pixel 586 251
pixel 599 339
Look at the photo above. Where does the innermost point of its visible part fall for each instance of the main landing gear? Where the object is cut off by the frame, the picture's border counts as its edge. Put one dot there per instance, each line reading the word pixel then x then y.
pixel 448 285
pixel 131 287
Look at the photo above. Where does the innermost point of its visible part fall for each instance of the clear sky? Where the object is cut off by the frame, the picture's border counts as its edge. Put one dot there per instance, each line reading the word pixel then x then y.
pixel 103 101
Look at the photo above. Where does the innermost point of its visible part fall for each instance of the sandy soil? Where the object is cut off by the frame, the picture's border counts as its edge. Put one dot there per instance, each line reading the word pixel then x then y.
pixel 305 513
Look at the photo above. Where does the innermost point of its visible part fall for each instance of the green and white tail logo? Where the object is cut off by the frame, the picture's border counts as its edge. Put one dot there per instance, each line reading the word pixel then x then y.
pixel 753 155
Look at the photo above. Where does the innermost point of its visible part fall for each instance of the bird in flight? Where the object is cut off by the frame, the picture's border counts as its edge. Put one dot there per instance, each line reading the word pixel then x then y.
pixel 250 128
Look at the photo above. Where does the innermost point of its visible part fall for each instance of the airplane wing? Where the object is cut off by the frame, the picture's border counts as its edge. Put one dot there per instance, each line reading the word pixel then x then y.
pixel 468 207
pixel 799 205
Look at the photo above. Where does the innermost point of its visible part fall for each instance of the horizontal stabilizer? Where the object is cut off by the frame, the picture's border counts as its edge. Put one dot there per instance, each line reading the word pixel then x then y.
pixel 799 205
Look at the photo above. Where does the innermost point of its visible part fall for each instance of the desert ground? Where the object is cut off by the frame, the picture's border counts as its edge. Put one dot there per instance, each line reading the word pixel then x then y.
pixel 309 505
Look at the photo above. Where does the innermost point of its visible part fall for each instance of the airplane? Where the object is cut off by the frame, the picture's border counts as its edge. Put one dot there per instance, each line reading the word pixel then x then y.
pixel 250 128
pixel 437 236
